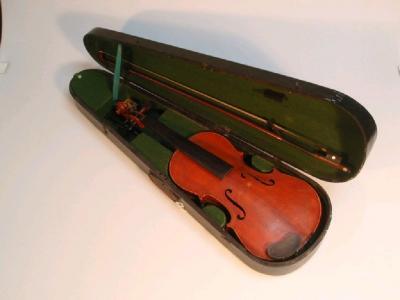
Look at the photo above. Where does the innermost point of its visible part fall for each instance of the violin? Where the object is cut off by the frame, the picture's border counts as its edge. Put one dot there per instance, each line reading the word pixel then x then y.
pixel 273 215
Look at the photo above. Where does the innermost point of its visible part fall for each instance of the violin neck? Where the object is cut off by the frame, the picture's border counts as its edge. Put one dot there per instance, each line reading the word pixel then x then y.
pixel 209 161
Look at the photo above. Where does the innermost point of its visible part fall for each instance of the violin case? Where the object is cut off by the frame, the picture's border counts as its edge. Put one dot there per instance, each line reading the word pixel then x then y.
pixel 291 125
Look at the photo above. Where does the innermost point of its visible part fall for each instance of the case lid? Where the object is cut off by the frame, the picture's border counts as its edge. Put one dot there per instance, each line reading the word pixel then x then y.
pixel 318 130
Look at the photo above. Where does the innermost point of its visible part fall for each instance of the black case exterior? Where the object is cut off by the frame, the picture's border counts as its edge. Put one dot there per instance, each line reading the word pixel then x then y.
pixel 363 119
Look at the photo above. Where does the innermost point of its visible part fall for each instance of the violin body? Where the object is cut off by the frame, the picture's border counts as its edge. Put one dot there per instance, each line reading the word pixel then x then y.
pixel 272 214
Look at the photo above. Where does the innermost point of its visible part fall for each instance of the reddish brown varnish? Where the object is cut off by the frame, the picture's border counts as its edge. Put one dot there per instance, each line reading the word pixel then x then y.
pixel 272 214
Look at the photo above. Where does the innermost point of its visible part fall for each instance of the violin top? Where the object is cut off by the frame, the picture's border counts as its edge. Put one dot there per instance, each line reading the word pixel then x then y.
pixel 272 214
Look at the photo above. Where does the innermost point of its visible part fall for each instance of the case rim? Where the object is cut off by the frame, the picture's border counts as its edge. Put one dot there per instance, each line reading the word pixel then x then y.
pixel 362 118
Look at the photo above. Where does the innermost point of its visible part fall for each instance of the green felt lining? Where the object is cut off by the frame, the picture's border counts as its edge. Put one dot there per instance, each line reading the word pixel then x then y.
pixel 261 164
pixel 156 154
pixel 216 214
pixel 180 123
pixel 295 108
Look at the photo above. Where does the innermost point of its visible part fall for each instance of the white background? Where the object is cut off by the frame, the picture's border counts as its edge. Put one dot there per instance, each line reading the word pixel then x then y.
pixel 79 220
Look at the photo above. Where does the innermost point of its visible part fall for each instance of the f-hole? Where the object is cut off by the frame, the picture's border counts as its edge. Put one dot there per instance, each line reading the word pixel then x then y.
pixel 241 215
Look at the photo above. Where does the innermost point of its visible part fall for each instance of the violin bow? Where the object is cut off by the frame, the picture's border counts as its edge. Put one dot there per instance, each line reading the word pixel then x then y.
pixel 262 124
